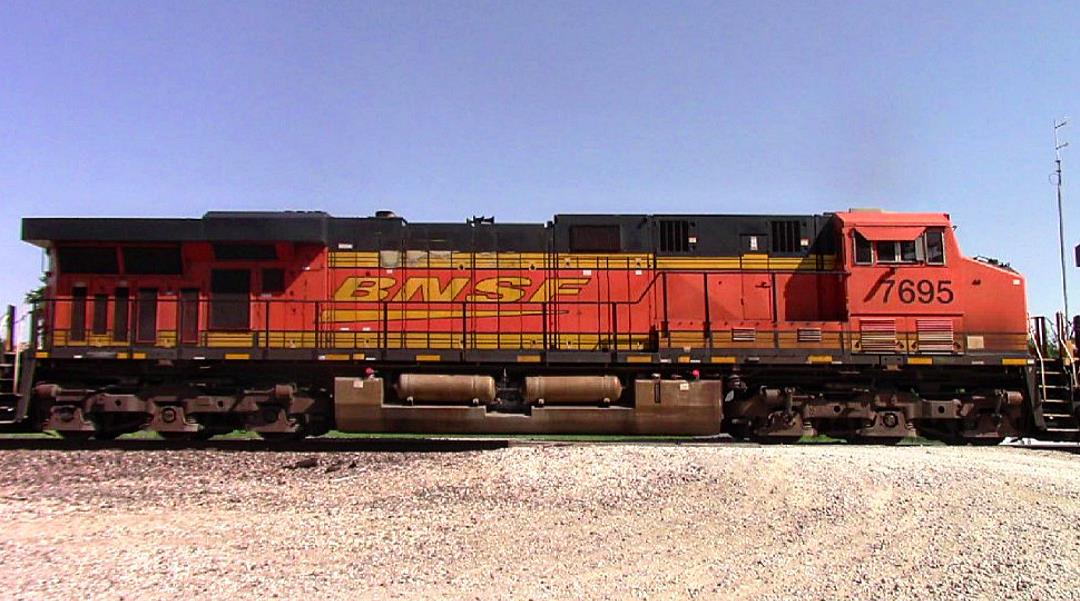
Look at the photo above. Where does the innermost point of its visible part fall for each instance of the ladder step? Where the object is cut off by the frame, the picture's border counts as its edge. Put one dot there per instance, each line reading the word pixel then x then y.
pixel 1059 416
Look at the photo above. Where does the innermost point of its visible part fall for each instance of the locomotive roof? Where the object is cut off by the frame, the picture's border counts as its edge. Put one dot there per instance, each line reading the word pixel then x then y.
pixel 293 226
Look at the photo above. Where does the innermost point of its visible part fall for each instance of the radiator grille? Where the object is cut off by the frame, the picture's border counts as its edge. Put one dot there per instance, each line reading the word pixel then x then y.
pixel 934 335
pixel 878 335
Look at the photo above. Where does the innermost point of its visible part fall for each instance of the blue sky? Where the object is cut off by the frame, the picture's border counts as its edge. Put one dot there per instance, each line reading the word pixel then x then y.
pixel 522 110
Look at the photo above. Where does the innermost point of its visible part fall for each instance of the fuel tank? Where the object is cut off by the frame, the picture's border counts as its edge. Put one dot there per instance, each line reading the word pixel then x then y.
pixel 440 388
pixel 572 390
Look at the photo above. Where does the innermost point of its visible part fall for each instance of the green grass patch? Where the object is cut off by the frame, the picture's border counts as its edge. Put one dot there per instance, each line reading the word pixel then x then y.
pixel 30 435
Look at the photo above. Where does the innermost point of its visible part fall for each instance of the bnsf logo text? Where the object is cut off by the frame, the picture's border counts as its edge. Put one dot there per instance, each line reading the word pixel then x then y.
pixel 503 289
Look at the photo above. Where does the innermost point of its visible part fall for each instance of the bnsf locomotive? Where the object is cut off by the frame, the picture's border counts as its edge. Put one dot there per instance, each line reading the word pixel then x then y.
pixel 860 325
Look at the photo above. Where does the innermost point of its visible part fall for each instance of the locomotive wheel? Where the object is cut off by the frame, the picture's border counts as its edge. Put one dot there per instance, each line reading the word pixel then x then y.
pixel 109 427
pixel 740 431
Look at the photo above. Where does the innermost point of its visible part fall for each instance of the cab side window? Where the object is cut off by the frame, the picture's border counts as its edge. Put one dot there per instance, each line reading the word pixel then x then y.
pixel 935 247
pixel 886 252
pixel 928 248
pixel 864 250
pixel 897 251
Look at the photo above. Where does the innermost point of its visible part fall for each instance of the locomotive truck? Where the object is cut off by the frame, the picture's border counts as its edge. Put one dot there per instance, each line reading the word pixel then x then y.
pixel 864 325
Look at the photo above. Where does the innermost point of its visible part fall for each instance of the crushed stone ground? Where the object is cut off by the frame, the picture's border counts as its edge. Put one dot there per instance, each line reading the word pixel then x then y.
pixel 543 522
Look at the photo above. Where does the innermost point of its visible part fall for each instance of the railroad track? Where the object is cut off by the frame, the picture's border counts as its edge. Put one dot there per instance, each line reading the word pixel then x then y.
pixel 434 444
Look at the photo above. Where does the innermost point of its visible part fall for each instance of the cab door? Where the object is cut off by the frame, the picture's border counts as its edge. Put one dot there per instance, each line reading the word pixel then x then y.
pixel 189 316
pixel 757 282
pixel 757 297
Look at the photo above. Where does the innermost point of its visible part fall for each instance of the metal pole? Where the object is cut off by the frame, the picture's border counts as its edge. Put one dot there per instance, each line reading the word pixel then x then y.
pixel 1061 220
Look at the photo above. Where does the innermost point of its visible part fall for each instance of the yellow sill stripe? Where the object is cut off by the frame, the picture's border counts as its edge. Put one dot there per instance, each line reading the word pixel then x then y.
pixel 1014 361
pixel 237 356
pixel 429 358
pixel 728 360
pixel 755 262
pixel 819 359
pixel 920 360
pixel 334 357
pixel 528 358
pixel 510 260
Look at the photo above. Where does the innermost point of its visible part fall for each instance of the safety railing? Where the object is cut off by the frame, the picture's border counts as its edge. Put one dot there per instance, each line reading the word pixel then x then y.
pixel 172 321
pixel 633 325
pixel 1053 342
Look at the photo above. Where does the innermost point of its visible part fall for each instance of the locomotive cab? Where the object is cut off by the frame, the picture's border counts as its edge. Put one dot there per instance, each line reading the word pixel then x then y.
pixel 911 291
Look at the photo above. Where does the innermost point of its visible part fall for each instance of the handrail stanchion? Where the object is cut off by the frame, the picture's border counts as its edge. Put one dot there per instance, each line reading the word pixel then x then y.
pixel 9 330
pixel 1038 324
pixel 318 327
pixel 266 329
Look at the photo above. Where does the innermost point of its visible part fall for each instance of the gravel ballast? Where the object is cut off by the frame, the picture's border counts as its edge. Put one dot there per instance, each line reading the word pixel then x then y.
pixel 543 522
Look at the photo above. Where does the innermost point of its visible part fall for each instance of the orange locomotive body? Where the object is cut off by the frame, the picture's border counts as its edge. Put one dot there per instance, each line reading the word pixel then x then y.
pixel 855 324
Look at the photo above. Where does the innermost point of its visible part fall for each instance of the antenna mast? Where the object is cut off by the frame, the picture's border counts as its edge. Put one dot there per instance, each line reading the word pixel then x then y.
pixel 1058 146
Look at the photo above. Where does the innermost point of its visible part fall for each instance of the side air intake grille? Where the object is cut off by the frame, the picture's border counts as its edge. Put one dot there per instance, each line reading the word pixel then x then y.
pixel 743 335
pixel 809 335
pixel 878 335
pixel 674 236
pixel 785 236
pixel 935 335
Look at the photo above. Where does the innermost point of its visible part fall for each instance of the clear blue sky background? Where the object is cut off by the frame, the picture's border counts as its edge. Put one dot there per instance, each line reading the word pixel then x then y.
pixel 445 110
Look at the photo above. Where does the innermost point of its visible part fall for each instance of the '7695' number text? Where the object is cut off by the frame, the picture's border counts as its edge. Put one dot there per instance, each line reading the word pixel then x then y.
pixel 916 291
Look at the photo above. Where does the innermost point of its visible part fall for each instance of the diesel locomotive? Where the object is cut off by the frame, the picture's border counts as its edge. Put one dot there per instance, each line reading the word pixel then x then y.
pixel 861 324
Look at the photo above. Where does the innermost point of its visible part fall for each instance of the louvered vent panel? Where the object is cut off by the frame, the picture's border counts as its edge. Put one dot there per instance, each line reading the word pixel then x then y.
pixel 809 335
pixel 935 335
pixel 878 335
pixel 743 335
